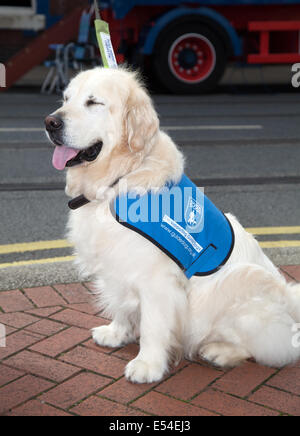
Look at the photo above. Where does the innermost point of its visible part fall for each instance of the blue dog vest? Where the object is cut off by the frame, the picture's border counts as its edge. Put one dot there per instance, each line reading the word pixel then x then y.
pixel 183 223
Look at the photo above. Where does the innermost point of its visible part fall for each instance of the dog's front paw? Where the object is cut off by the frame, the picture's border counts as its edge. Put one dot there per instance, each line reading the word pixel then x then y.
pixel 107 336
pixel 140 371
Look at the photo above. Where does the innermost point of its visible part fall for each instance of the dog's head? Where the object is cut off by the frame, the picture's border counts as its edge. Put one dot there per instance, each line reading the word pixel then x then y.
pixel 105 126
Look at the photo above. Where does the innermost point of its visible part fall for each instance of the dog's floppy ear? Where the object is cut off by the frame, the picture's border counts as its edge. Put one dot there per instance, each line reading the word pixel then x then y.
pixel 141 120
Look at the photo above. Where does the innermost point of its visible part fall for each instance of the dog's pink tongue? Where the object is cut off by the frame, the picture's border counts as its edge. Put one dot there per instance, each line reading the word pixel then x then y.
pixel 62 155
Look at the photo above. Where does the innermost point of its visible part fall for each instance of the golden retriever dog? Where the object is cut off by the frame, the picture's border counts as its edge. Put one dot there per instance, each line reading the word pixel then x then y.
pixel 107 133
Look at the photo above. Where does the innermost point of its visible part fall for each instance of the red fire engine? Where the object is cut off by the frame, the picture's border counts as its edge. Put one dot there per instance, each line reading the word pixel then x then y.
pixel 187 44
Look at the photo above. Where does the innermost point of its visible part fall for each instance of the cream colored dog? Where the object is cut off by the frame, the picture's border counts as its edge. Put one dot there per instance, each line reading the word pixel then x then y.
pixel 244 310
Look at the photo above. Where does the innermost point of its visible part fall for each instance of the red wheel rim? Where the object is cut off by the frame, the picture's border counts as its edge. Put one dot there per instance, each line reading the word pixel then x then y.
pixel 192 58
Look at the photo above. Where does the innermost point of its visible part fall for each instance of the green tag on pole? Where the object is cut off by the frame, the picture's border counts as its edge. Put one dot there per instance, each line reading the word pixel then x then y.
pixel 104 41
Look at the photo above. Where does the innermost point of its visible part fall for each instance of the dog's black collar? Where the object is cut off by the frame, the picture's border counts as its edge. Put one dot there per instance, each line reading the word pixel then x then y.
pixel 78 202
pixel 81 200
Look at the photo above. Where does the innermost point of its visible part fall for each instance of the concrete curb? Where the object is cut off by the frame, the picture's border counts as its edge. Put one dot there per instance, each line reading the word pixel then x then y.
pixel 50 274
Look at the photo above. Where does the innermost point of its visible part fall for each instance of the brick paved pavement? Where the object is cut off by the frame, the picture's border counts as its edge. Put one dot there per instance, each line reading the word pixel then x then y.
pixel 51 366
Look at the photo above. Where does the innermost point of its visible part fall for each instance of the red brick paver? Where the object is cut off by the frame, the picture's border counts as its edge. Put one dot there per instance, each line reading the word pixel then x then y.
pixel 14 301
pixel 17 342
pixel 36 364
pixel 287 379
pixel 44 296
pixel 230 406
pixel 7 374
pixel 21 390
pixel 46 327
pixel 17 319
pixel 94 361
pixel 95 406
pixel 293 271
pixel 61 342
pixel 79 319
pixel 74 390
pixel 159 404
pixel 275 399
pixel 124 392
pixel 51 367
pixel 190 381
pixel 128 352
pixel 45 312
pixel 73 293
pixel 37 408
pixel 249 375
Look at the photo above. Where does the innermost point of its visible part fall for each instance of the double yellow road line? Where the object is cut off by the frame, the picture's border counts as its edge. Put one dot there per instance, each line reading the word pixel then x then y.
pixel 35 246
pixel 272 231
pixel 62 243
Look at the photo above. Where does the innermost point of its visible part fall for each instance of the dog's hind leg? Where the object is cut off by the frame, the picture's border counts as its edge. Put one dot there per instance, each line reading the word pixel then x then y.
pixel 223 354
pixel 256 315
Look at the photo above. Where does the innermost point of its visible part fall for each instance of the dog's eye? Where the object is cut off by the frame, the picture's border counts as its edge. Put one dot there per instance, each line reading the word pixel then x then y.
pixel 94 103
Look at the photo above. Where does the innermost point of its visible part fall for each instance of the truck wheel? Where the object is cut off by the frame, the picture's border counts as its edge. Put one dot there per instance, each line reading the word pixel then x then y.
pixel 189 59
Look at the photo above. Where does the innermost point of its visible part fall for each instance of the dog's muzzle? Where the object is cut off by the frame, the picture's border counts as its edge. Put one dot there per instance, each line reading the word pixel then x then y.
pixel 88 155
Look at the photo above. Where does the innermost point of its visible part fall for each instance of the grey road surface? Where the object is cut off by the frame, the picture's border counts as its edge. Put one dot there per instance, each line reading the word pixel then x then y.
pixel 244 149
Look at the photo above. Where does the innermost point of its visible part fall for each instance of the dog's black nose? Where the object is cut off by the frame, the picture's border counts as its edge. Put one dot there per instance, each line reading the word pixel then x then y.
pixel 53 123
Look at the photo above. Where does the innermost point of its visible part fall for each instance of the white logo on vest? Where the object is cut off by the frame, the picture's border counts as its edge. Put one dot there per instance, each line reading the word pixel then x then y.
pixel 194 215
